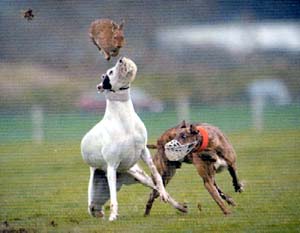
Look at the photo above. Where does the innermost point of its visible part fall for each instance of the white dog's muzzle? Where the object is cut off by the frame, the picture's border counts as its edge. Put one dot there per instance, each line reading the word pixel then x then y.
pixel 175 151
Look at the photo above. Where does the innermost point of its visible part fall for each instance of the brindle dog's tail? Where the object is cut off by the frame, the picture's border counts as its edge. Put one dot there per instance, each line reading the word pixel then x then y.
pixel 151 146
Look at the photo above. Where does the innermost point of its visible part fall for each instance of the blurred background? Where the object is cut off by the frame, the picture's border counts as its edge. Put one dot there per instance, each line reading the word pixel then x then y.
pixel 234 64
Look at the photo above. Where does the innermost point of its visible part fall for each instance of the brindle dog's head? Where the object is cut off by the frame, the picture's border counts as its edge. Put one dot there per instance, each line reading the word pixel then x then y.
pixel 186 140
pixel 187 133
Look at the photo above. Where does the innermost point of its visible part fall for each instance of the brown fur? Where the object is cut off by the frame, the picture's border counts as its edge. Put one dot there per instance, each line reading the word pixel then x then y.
pixel 108 36
pixel 204 161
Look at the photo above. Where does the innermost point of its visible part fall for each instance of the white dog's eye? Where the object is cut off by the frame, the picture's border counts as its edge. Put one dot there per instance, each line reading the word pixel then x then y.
pixel 110 72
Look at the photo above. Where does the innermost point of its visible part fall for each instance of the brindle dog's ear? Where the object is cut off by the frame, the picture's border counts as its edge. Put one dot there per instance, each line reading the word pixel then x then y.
pixel 182 124
pixel 193 129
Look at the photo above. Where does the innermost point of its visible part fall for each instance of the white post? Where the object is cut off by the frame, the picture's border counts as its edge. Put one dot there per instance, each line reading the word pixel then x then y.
pixel 183 108
pixel 258 104
pixel 37 116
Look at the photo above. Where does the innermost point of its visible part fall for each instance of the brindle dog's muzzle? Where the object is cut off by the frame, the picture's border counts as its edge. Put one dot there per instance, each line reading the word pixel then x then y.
pixel 175 151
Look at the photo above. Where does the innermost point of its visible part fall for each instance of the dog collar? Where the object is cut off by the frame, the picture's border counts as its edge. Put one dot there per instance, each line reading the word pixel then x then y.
pixel 123 88
pixel 120 89
pixel 205 139
pixel 118 96
pixel 175 151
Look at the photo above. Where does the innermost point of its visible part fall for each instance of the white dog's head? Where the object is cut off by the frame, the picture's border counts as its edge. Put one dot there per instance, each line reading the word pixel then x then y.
pixel 118 77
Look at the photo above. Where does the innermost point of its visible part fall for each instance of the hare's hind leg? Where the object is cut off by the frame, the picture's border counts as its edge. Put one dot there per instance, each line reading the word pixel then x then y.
pixel 95 43
pixel 106 55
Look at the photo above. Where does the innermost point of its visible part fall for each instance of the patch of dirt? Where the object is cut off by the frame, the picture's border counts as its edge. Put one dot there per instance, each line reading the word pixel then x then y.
pixel 6 228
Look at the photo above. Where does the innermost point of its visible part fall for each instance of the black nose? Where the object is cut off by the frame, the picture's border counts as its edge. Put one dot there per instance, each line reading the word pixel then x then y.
pixel 106 83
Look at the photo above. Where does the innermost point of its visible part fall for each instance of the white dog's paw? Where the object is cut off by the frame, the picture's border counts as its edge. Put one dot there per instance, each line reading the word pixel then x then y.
pixel 113 217
pixel 113 212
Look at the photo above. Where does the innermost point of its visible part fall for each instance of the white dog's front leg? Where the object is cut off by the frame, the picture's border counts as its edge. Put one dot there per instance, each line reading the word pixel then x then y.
pixel 141 176
pixel 112 183
pixel 146 156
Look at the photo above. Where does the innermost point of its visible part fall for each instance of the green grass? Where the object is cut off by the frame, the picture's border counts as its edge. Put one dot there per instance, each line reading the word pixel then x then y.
pixel 44 189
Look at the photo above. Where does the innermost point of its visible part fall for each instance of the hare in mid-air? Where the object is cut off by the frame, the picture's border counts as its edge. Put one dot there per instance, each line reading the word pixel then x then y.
pixel 108 36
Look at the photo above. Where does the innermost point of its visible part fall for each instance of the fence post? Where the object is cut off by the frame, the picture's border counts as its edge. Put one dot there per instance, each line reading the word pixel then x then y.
pixel 257 104
pixel 183 107
pixel 37 116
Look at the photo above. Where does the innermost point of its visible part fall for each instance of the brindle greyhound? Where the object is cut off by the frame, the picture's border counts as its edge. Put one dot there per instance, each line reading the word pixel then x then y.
pixel 203 145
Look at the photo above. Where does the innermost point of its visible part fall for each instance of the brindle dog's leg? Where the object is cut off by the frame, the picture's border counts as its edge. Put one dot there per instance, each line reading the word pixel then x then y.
pixel 206 170
pixel 224 196
pixel 166 177
pixel 151 199
pixel 238 187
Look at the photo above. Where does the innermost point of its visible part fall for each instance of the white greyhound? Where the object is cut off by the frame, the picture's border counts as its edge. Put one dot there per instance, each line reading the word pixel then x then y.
pixel 113 147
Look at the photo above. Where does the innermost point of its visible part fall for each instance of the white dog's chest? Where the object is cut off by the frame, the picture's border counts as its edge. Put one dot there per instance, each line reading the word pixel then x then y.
pixel 116 140
pixel 123 151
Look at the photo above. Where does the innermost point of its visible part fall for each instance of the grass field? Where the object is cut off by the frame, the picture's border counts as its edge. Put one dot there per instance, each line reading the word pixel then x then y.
pixel 44 188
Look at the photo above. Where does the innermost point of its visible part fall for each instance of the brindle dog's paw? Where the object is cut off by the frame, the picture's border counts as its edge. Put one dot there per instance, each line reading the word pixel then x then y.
pixel 230 201
pixel 226 212
pixel 239 188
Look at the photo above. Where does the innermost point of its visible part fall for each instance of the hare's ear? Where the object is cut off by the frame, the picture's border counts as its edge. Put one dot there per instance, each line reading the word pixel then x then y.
pixel 122 24
pixel 193 129
pixel 114 26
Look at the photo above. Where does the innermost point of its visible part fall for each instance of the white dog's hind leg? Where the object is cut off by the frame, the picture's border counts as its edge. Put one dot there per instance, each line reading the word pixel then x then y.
pixel 98 192
pixel 112 183
pixel 146 156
